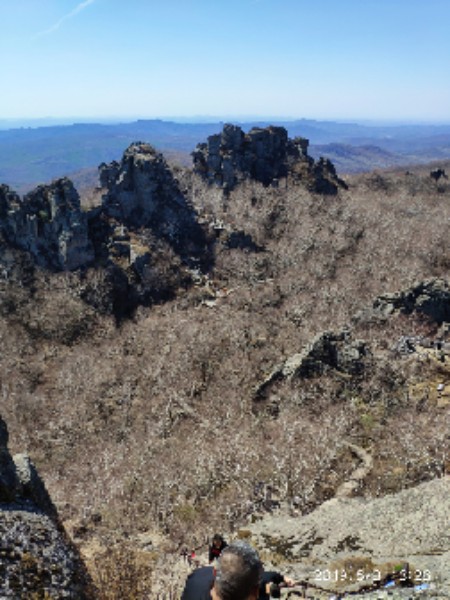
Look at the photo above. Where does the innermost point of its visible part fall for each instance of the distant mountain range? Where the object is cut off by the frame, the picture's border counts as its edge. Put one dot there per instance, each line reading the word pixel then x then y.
pixel 32 155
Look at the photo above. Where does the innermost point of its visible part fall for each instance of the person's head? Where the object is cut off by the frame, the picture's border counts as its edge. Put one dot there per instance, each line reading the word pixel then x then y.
pixel 238 574
pixel 217 540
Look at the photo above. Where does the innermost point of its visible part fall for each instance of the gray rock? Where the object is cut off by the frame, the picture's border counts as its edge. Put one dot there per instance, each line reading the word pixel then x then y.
pixel 9 201
pixel 30 486
pixel 263 154
pixel 36 557
pixel 19 480
pixel 141 192
pixel 49 224
pixel 8 479
pixel 326 351
pixel 430 297
pixel 379 536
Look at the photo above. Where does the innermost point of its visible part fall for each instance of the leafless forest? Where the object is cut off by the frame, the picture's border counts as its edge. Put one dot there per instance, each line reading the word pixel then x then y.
pixel 150 433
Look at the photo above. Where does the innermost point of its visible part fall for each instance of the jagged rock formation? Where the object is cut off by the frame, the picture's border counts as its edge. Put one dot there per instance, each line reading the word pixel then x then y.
pixel 141 192
pixel 265 155
pixel 145 238
pixel 350 544
pixel 49 224
pixel 261 154
pixel 146 235
pixel 431 298
pixel 326 351
pixel 36 558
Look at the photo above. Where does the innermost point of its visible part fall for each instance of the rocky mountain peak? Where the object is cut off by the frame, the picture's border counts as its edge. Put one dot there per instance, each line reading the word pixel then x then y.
pixel 49 223
pixel 142 192
pixel 143 148
pixel 263 154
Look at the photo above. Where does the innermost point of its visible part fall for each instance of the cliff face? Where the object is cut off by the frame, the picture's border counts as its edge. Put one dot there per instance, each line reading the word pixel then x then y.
pixel 142 192
pixel 49 224
pixel 143 240
pixel 35 554
pixel 264 155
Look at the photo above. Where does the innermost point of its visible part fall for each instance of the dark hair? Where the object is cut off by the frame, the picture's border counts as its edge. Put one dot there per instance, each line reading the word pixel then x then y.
pixel 239 571
pixel 217 538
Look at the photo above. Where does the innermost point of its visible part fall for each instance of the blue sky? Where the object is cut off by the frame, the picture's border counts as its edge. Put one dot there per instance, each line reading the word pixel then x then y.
pixel 324 59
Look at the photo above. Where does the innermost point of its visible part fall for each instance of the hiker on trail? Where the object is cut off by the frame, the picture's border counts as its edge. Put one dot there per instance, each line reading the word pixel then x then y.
pixel 184 553
pixel 215 550
pixel 198 584
pixel 239 576
pixel 239 573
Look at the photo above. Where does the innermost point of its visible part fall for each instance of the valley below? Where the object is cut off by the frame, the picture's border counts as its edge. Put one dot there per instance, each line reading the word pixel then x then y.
pixel 256 344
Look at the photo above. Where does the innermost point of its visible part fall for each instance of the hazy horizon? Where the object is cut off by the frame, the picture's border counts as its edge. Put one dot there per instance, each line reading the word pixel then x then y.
pixel 37 122
pixel 347 61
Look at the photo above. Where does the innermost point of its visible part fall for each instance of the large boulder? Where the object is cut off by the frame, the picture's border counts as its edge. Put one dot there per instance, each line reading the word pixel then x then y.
pixel 37 559
pixel 430 298
pixel 327 351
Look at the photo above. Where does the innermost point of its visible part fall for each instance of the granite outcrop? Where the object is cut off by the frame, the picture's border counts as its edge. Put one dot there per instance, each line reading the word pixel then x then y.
pixel 430 298
pixel 37 559
pixel 265 155
pixel 48 223
pixel 327 351
pixel 350 545
pixel 145 240
pixel 146 233
pixel 142 192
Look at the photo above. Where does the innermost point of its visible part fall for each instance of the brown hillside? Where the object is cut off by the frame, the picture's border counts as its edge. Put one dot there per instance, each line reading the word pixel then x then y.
pixel 155 427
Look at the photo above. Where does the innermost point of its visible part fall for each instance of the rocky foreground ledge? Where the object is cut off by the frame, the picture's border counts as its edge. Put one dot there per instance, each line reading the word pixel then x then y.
pixel 37 559
pixel 397 545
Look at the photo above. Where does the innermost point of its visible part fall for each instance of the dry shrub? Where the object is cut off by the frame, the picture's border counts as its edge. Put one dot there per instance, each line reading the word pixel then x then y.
pixel 121 573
